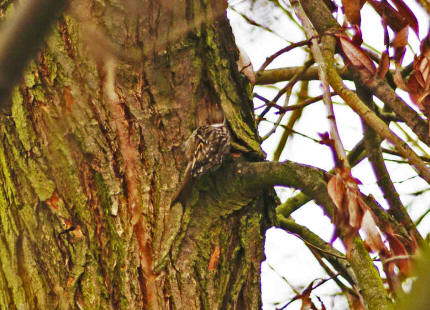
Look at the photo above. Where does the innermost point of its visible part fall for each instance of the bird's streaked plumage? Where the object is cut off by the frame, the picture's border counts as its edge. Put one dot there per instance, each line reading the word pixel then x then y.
pixel 206 148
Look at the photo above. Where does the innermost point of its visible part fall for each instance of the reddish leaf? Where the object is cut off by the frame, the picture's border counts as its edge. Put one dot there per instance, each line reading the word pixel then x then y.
pixel 357 57
pixel 425 46
pixel 343 190
pixel 68 98
pixel 384 65
pixel 353 209
pixel 399 21
pixel 67 223
pixel 418 83
pixel 399 52
pixel 401 38
pixel 398 80
pixel 392 278
pixel 351 9
pixel 404 263
pixel 373 237
pixel 336 190
pixel 390 16
pixel 357 38
pixel 399 43
pixel 407 14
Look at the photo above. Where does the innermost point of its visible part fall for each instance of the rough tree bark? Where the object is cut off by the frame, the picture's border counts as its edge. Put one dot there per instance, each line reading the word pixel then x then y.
pixel 90 157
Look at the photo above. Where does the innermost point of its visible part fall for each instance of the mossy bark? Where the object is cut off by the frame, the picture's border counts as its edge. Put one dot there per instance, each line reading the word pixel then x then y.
pixel 87 177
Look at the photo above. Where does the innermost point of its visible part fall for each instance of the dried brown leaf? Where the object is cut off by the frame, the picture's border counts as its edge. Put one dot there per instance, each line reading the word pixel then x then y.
pixel 373 237
pixel 399 21
pixel 390 16
pixel 392 278
pixel 401 38
pixel 357 57
pixel 398 80
pixel 425 46
pixel 418 83
pixel 384 65
pixel 407 14
pixel 68 98
pixel 399 250
pixel 351 9
pixel 399 43
pixel 353 208
pixel 336 190
pixel 343 190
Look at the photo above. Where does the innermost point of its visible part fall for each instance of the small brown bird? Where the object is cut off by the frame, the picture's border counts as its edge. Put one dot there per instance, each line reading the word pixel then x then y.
pixel 205 149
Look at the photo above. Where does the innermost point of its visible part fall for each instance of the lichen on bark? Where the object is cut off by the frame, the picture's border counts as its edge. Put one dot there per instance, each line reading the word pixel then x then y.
pixel 68 180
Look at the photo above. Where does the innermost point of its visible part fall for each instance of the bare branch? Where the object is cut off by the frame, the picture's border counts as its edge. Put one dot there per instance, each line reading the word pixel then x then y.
pixel 336 258
pixel 355 156
pixel 323 21
pixel 374 154
pixel 294 117
pixel 280 52
pixel 285 74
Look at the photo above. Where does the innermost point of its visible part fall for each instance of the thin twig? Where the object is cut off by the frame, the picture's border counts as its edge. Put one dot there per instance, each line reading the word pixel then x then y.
pixel 282 51
pixel 256 24
pixel 294 131
pixel 298 296
pixel 292 120
pixel 287 89
pixel 410 139
pixel 339 150
pixel 419 220
pixel 361 109
pixel 395 153
pixel 304 103
pixel 372 142
pixel 394 258
pixel 281 109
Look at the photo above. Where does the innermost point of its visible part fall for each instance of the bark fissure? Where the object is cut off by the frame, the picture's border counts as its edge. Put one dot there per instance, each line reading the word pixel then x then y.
pixel 85 161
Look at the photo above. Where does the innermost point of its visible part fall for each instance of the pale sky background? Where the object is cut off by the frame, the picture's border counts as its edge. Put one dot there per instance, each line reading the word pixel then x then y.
pixel 287 258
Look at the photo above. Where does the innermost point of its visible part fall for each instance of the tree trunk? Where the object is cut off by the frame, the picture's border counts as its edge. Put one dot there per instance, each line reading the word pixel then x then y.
pixel 91 157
